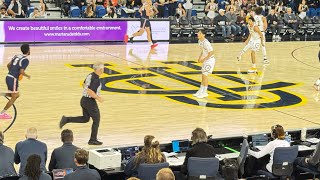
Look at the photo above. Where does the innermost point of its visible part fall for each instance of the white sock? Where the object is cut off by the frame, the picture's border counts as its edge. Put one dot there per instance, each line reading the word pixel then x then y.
pixel 205 89
pixel 151 43
pixel 201 88
pixel 318 82
pixel 254 65
pixel 264 51
pixel 3 111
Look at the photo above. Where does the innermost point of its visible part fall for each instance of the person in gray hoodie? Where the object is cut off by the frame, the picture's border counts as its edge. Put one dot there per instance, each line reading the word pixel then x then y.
pixel 235 29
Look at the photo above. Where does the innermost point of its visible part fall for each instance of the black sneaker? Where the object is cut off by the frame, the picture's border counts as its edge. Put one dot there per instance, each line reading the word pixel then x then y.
pixel 95 142
pixel 63 121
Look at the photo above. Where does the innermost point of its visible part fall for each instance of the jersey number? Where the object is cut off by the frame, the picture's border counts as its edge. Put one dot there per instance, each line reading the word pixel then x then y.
pixel 16 60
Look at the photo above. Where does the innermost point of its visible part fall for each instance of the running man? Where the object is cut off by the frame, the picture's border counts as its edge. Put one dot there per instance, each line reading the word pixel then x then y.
pixel 16 67
pixel 262 24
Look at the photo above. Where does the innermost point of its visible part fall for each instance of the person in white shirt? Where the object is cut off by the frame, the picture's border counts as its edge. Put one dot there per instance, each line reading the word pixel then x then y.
pixel 279 141
pixel 188 7
pixel 206 57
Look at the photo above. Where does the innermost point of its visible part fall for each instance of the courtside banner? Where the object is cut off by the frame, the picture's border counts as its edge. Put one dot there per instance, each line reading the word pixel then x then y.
pixel 76 30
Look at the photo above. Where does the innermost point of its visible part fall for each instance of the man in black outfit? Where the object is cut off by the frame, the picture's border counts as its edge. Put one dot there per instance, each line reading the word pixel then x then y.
pixel 91 93
pixel 6 159
pixel 63 157
pixel 82 172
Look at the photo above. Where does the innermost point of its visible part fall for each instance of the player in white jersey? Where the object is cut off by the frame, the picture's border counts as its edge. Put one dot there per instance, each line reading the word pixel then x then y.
pixel 206 57
pixel 253 42
pixel 262 24
pixel 317 83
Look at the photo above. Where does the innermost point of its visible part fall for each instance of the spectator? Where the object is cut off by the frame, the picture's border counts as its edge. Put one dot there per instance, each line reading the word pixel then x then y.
pixel 63 157
pixel 165 174
pixel 30 146
pixel 311 162
pixel 222 21
pixel 25 4
pixel 232 17
pixel 65 8
pixel 188 7
pixel 6 159
pixel 211 9
pixel 231 5
pixel 109 7
pixel 35 14
pixel 172 7
pixel 280 8
pixel 200 148
pixel 291 20
pixel 43 8
pixel 303 8
pixel 278 134
pixel 241 21
pixel 150 154
pixel 82 172
pixel 274 25
pixel 180 12
pixel 133 178
pixel 3 12
pixel 33 170
pixel 161 6
pixel 15 9
pixel 89 12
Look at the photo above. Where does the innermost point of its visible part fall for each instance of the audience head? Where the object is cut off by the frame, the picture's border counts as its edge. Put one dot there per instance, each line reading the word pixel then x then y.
pixel 81 157
pixel 277 132
pixel 67 136
pixel 25 49
pixel 32 170
pixel 258 10
pixel 165 174
pixel 199 136
pixel 3 10
pixel 1 137
pixel 232 10
pixel 151 152
pixel 31 133
pixel 133 178
pixel 289 10
pixel 221 12
pixel 272 11
pixel 36 10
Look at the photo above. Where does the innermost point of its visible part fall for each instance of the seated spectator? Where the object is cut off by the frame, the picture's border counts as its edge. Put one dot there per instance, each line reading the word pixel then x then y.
pixel 222 21
pixel 188 7
pixel 161 7
pixel 63 157
pixel 109 8
pixel 303 8
pixel 241 21
pixel 180 12
pixel 15 9
pixel 3 12
pixel 165 174
pixel 291 20
pixel 232 5
pixel 211 9
pixel 311 162
pixel 274 25
pixel 28 147
pixel 279 141
pixel 150 154
pixel 33 170
pixel 280 8
pixel 25 4
pixel 232 17
pixel 35 14
pixel 65 8
pixel 82 172
pixel 43 8
pixel 6 159
pixel 89 12
pixel 133 178
pixel 200 148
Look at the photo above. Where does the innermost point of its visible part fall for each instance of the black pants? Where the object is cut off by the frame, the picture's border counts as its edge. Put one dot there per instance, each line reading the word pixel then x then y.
pixel 275 29
pixel 89 109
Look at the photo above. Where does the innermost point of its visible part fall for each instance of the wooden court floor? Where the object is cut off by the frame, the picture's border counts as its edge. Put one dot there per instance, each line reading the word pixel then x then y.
pixel 149 92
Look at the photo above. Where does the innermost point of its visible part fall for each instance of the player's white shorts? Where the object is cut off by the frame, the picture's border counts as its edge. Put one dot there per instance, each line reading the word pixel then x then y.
pixel 207 66
pixel 254 44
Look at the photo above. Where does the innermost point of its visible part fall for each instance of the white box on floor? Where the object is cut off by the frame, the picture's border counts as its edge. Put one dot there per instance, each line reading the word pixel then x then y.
pixel 104 158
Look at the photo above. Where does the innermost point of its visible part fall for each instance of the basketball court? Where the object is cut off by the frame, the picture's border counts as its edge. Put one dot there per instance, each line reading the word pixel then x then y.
pixel 150 92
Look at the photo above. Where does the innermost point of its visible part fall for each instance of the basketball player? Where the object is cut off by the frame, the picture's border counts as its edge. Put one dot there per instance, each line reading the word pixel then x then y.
pixel 16 67
pixel 91 93
pixel 146 12
pixel 253 42
pixel 317 83
pixel 262 24
pixel 206 57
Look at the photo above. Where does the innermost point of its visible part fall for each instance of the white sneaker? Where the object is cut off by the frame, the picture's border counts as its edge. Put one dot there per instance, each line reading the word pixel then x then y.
pixel 316 87
pixel 197 93
pixel 203 95
pixel 252 70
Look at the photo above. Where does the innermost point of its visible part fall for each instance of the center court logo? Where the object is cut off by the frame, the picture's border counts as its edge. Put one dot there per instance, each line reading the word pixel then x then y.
pixel 165 80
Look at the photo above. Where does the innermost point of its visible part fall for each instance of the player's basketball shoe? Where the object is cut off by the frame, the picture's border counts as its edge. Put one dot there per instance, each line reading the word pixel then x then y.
pixel 265 60
pixel 197 93
pixel 252 70
pixel 203 95
pixel 5 116
pixel 154 46
pixel 316 87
